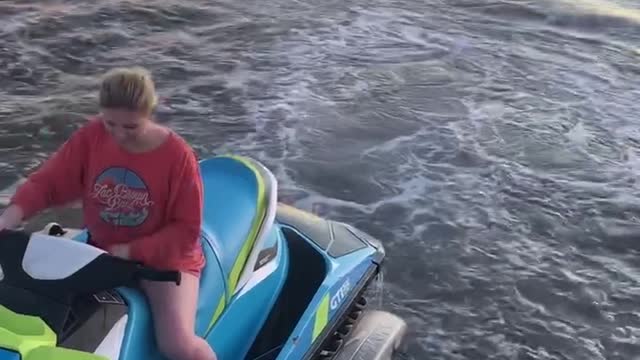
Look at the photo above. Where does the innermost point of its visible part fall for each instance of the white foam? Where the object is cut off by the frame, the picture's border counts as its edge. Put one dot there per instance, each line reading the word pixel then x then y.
pixel 605 8
pixel 579 135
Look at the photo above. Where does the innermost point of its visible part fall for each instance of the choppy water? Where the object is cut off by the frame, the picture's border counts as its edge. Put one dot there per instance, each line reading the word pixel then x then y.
pixel 492 145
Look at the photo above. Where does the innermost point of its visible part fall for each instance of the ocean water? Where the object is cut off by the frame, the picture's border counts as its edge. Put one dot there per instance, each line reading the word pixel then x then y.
pixel 492 145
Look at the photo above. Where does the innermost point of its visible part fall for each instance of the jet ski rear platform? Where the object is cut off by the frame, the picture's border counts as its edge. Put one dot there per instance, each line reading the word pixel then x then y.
pixel 279 284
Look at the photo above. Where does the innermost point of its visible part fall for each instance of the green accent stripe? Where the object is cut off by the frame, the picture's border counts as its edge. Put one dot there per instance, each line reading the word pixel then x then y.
pixel 243 255
pixel 221 305
pixel 33 339
pixel 56 353
pixel 322 317
pixel 22 333
pixel 234 276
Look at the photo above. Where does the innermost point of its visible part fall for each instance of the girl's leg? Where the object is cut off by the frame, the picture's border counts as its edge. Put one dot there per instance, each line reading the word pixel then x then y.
pixel 174 309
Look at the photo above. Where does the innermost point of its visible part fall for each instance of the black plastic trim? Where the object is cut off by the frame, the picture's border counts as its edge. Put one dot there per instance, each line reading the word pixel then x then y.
pixel 336 238
pixel 52 300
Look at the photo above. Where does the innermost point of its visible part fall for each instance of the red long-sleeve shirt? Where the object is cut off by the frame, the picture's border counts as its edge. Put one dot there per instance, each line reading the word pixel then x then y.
pixel 151 200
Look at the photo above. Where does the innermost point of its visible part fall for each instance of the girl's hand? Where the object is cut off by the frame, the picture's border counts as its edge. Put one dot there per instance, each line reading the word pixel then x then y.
pixel 121 251
pixel 11 217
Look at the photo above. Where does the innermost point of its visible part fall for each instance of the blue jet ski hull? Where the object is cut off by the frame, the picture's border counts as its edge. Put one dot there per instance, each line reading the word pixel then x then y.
pixel 9 355
pixel 280 283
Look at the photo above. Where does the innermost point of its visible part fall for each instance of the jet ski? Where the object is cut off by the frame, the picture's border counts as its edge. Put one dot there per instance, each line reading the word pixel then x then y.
pixel 280 284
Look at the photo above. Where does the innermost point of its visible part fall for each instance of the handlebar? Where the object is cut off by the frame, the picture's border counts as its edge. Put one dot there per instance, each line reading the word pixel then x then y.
pixel 144 272
pixel 69 264
pixel 44 274
pixel 147 273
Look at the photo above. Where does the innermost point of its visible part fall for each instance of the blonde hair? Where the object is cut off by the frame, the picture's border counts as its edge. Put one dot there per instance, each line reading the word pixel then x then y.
pixel 128 88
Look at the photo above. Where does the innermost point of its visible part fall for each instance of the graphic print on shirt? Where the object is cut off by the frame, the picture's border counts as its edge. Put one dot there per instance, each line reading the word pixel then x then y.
pixel 124 197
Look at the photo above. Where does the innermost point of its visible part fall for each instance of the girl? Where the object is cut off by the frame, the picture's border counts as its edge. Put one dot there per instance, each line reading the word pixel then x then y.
pixel 142 199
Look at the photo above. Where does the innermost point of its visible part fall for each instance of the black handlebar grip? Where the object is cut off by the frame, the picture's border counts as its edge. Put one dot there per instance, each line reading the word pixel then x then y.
pixel 159 275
